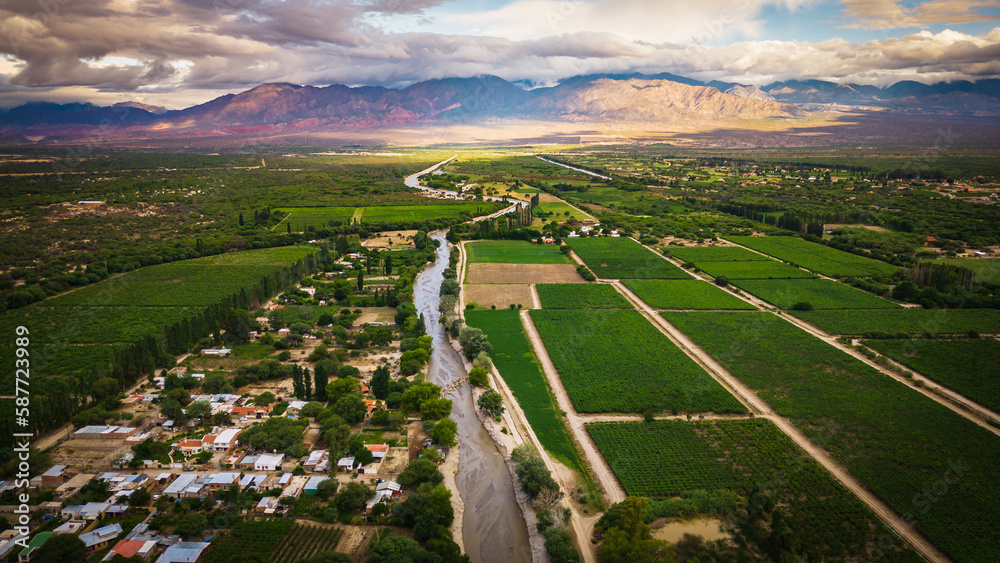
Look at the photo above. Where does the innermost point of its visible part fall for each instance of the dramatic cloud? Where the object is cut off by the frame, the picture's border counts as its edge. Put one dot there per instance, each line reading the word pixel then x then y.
pixel 177 53
pixel 891 14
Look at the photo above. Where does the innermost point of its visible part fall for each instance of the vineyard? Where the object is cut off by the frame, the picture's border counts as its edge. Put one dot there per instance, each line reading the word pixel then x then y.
pixel 753 270
pixel 907 321
pixel 820 293
pixel 668 458
pixel 616 361
pixel 140 317
pixel 618 258
pixel 305 540
pixel 516 363
pixel 896 441
pixel 514 252
pixel 816 257
pixel 698 254
pixel 580 296
pixel 249 538
pixel 970 366
pixel 320 217
pixel 684 294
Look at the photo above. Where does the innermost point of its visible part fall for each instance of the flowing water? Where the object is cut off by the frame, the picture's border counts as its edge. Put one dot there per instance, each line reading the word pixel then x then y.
pixel 493 529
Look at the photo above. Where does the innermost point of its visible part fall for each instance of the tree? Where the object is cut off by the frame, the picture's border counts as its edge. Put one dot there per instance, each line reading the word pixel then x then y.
pixel 444 432
pixel 398 549
pixel 341 387
pixel 264 399
pixel 192 524
pixel 361 280
pixel 380 383
pixel 420 471
pixel 473 341
pixel 479 377
pixel 311 409
pixel 351 407
pixel 216 383
pixel 559 544
pixel 140 497
pixel 199 409
pixel 491 402
pixel 435 409
pixel 61 548
pixel 352 497
pixel 418 394
pixel 722 281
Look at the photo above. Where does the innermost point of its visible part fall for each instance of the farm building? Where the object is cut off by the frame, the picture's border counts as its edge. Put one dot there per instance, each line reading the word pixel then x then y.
pixel 215 351
pixel 91 202
pixel 55 476
pixel 104 432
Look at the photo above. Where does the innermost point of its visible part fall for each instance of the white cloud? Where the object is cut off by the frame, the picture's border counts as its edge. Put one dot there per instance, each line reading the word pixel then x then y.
pixel 892 14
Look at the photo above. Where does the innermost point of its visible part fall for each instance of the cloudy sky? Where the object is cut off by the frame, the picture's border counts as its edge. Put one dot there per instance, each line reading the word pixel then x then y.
pixel 176 53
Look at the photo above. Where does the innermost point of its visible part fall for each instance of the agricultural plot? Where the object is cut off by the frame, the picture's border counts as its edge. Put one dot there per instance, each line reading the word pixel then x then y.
pixel 897 442
pixel 516 362
pixel 320 217
pixel 514 252
pixel 305 540
pixel 56 326
pixel 616 361
pixel 820 293
pixel 485 272
pixel 684 294
pixel 74 365
pixel 249 538
pixel 559 211
pixel 499 295
pixel 699 254
pixel 905 321
pixel 753 270
pixel 667 458
pixel 816 257
pixel 623 258
pixel 580 296
pixel 987 270
pixel 970 366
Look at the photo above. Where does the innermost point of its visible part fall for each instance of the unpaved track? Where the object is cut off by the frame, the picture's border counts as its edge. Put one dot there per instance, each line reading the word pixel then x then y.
pixel 750 398
pixel 602 471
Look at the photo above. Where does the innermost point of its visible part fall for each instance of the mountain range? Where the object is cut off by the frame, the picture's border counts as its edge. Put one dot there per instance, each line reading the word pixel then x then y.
pixel 604 98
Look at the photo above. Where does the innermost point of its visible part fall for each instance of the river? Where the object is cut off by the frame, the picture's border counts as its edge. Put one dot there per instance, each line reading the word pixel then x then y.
pixel 493 529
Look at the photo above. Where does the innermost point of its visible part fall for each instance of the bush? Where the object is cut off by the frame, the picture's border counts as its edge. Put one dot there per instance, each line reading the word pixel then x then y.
pixel 722 281
pixel 479 377
pixel 803 306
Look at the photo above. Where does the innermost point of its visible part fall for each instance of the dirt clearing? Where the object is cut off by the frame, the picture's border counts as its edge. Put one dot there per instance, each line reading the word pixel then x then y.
pixel 522 274
pixel 500 295
pixel 393 239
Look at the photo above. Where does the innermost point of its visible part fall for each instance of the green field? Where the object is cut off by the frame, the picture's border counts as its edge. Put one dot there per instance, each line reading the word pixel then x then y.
pixel 907 321
pixel 623 258
pixel 816 257
pixel 820 293
pixel 684 294
pixel 249 538
pixel 319 217
pixel 987 269
pixel 896 441
pixel 303 541
pixel 616 361
pixel 970 366
pixel 698 254
pixel 96 325
pixel 753 270
pixel 580 296
pixel 516 362
pixel 668 458
pixel 560 210
pixel 514 252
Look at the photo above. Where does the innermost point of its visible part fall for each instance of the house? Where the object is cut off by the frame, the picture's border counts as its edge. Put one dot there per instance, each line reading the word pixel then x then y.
pixel 94 510
pixel 223 481
pixel 101 537
pixel 384 491
pixel 71 527
pixel 127 548
pixel 345 463
pixel 55 476
pixel 226 440
pixel 91 202
pixel 312 485
pixel 215 351
pixel 319 460
pixel 188 447
pixel 268 462
pixel 71 512
pixel 284 332
pixel 183 552
pixel 177 488
pixel 38 541
pixel 267 505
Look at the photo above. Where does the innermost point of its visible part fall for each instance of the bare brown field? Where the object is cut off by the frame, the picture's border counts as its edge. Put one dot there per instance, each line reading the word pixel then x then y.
pixel 395 239
pixel 500 295
pixel 481 272
pixel 542 197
